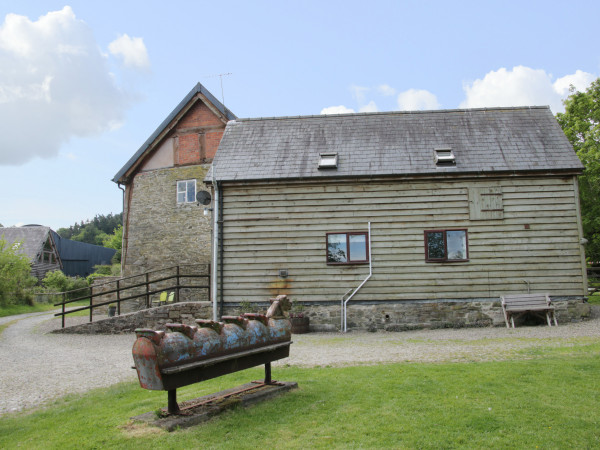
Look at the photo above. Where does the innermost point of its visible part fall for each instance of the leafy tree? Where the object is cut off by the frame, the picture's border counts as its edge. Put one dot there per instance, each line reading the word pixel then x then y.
pixel 115 241
pixel 15 274
pixel 94 231
pixel 581 124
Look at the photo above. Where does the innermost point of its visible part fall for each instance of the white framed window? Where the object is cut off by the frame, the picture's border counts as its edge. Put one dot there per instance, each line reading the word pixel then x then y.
pixel 186 191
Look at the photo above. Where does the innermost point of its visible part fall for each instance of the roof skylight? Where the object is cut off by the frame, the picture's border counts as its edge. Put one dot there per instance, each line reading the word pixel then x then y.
pixel 444 157
pixel 328 161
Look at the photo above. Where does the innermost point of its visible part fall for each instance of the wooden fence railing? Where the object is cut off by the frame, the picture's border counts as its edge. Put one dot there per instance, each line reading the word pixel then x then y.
pixel 149 286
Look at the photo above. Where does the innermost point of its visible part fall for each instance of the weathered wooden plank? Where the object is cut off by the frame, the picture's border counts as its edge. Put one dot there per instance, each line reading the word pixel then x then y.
pixel 399 184
pixel 273 226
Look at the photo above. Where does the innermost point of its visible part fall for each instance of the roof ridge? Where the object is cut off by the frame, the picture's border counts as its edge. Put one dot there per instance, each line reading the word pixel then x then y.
pixel 394 113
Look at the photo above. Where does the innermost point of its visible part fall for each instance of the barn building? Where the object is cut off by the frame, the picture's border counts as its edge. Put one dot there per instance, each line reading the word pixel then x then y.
pixel 38 243
pixel 399 220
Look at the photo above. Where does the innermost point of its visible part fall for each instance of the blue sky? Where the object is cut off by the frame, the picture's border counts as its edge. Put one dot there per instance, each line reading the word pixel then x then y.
pixel 83 84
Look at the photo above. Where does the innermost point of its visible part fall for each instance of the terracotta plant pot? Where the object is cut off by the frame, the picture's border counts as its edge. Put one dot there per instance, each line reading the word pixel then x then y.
pixel 300 323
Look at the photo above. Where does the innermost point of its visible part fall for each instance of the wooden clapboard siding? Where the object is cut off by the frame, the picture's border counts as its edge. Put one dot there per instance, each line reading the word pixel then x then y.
pixel 272 226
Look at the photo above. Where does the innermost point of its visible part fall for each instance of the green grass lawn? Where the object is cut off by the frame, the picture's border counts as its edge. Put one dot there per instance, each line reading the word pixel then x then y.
pixel 12 310
pixel 594 299
pixel 550 401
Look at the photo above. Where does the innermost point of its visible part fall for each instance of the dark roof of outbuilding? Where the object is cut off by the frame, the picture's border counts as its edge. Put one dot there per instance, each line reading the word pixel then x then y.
pixel 79 258
pixel 490 140
pixel 198 89
pixel 32 239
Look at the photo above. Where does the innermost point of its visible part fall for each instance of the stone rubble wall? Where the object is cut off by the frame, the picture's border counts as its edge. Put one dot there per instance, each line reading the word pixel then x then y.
pixel 402 316
pixel 399 316
pixel 104 284
pixel 153 318
pixel 160 232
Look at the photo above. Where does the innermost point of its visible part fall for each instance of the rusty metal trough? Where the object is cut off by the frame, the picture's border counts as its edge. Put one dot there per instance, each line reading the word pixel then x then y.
pixel 189 354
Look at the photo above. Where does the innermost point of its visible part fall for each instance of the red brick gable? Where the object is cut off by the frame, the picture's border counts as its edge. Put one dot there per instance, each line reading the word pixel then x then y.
pixel 198 135
pixel 199 115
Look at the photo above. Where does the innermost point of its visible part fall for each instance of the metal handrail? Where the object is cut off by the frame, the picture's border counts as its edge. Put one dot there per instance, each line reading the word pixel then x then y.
pixel 120 288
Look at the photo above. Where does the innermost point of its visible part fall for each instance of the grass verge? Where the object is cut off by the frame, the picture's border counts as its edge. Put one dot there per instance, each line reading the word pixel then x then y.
pixel 594 299
pixel 547 402
pixel 13 310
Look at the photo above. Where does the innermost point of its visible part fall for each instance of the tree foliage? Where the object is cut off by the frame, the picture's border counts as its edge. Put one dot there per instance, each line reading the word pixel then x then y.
pixel 57 281
pixel 115 240
pixel 581 124
pixel 15 274
pixel 93 231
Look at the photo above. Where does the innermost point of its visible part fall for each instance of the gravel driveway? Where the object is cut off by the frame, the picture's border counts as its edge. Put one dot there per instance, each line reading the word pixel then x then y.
pixel 38 366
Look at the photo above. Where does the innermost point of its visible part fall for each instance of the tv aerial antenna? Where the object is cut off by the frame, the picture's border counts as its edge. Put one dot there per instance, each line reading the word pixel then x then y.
pixel 220 75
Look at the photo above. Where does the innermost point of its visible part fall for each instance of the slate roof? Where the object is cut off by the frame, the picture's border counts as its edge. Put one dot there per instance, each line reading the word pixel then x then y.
pixel 490 140
pixel 198 89
pixel 32 238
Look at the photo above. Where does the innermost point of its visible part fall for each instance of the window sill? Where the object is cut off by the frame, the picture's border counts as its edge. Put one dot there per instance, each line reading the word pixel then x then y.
pixel 444 261
pixel 361 263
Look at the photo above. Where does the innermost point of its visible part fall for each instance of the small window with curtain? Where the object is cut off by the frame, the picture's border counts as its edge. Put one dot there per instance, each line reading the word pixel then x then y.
pixel 446 246
pixel 186 191
pixel 348 248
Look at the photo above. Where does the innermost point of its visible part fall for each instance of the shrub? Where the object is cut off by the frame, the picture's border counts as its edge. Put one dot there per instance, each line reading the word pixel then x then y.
pixel 57 281
pixel 15 275
pixel 104 271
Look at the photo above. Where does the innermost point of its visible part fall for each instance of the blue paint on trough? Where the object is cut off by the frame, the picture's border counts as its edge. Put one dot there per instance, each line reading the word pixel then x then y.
pixel 188 354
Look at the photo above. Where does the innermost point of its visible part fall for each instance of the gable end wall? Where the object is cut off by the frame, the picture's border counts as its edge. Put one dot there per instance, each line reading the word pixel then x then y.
pixel 161 232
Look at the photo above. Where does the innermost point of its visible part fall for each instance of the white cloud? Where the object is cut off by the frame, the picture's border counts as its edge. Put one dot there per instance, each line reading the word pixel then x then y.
pixel 369 107
pixel 337 110
pixel 522 86
pixel 386 90
pixel 54 84
pixel 417 99
pixel 580 80
pixel 132 51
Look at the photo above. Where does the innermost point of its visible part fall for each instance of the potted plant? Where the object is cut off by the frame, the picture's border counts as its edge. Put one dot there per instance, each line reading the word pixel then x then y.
pixel 298 318
pixel 112 309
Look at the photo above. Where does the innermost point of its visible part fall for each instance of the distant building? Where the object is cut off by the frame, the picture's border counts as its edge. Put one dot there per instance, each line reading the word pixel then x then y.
pixel 79 258
pixel 48 252
pixel 38 244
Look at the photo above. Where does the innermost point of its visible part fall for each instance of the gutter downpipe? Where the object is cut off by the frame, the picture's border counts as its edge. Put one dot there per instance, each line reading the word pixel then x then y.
pixel 345 303
pixel 216 232
pixel 125 225
pixel 221 253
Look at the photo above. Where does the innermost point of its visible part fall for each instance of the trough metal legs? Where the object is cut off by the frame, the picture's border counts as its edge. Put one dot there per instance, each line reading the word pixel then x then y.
pixel 172 407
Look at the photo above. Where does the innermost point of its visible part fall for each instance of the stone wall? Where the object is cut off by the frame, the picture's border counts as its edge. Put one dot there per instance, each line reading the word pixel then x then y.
pixel 154 318
pixel 408 315
pixel 399 316
pixel 159 232
pixel 104 284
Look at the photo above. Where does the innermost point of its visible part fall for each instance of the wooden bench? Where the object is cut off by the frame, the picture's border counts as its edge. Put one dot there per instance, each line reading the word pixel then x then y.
pixel 518 305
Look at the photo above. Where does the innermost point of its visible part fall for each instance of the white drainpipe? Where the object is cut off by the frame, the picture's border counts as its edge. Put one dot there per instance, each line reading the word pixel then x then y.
pixel 345 302
pixel 215 250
